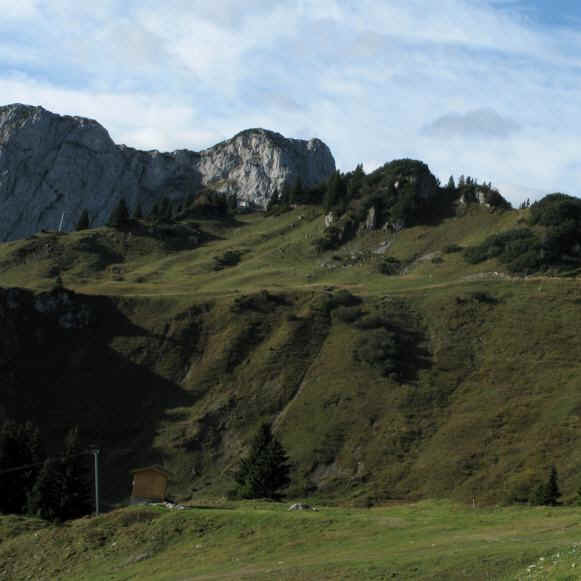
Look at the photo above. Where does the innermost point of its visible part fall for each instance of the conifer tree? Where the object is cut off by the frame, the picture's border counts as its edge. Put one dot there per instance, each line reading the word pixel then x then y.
pixel 335 191
pixel 356 181
pixel 20 445
pixel 138 212
pixel 119 215
pixel 273 201
pixel 552 492
pixel 154 212
pixel 165 208
pixel 62 490
pixel 451 184
pixel 266 469
pixel 44 498
pixel 83 223
pixel 297 192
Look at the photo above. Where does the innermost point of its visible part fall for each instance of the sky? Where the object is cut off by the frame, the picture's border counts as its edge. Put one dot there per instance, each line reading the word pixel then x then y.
pixel 486 88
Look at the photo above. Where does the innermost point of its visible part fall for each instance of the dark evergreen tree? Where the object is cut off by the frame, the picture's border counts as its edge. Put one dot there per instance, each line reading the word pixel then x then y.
pixel 62 490
pixel 83 223
pixel 75 487
pixel 285 197
pixel 119 215
pixel 552 492
pixel 451 184
pixel 537 497
pixel 266 470
pixel 336 191
pixel 20 445
pixel 44 497
pixel 356 182
pixel 154 212
pixel 273 201
pixel 165 208
pixel 232 203
pixel 298 192
pixel 138 212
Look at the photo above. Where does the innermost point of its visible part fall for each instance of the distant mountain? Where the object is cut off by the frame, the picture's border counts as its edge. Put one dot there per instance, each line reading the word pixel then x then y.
pixel 52 164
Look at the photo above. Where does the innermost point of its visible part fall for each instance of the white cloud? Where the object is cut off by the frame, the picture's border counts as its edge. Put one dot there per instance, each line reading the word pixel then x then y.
pixel 365 77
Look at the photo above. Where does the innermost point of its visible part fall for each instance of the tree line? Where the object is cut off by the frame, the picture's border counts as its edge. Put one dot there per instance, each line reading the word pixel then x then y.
pixel 205 204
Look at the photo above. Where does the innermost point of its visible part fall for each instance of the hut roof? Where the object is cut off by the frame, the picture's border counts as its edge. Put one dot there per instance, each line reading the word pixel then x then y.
pixel 148 468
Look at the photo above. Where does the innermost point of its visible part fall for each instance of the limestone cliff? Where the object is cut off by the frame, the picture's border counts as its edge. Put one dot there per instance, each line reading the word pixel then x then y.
pixel 52 164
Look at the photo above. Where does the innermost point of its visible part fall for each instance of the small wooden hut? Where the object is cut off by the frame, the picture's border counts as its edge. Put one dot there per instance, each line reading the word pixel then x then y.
pixel 149 484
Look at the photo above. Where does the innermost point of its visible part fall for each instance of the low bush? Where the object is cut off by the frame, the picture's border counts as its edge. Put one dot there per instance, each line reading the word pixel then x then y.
pixel 229 258
pixel 380 349
pixel 389 266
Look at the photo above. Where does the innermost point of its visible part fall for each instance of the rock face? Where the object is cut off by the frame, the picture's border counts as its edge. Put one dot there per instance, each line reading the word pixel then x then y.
pixel 52 164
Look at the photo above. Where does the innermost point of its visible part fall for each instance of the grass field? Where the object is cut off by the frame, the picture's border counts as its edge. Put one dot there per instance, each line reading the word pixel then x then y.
pixel 188 358
pixel 262 541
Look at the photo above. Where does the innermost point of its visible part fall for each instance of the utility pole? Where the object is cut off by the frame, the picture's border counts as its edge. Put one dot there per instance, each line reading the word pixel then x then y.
pixel 95 452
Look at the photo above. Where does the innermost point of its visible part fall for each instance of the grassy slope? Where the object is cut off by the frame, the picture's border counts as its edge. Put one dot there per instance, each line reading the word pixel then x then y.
pixel 428 540
pixel 492 401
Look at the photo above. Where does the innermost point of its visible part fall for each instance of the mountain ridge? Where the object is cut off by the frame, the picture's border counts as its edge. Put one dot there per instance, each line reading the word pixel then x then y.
pixel 52 165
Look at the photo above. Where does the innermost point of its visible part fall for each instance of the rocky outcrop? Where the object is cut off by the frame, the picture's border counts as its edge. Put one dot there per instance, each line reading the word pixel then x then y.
pixel 264 161
pixel 52 164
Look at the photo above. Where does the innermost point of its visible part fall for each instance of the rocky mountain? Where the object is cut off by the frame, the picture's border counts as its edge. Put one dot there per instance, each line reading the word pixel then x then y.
pixel 52 164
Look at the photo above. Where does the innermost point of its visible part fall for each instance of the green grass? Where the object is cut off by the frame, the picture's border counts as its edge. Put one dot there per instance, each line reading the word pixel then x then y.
pixel 179 374
pixel 254 540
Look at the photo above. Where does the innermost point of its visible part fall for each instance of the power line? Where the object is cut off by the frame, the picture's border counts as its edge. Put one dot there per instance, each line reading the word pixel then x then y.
pixel 61 459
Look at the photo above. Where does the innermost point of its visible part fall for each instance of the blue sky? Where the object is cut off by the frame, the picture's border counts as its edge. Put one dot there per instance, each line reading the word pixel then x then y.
pixel 486 88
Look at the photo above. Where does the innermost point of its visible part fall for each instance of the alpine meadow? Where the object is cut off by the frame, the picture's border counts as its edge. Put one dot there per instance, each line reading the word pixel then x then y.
pixel 397 357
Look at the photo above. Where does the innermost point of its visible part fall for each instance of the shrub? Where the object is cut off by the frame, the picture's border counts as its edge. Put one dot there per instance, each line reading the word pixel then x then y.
pixel 389 266
pixel 452 248
pixel 371 322
pixel 229 258
pixel 380 349
pixel 348 314
pixel 519 249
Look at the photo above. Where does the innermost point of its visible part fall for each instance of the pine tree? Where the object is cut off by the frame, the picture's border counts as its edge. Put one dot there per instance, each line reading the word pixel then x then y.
pixel 552 492
pixel 74 489
pixel 165 208
pixel 83 223
pixel 44 498
pixel 297 192
pixel 273 201
pixel 20 445
pixel 356 181
pixel 138 212
pixel 266 469
pixel 336 191
pixel 451 184
pixel 537 497
pixel 119 215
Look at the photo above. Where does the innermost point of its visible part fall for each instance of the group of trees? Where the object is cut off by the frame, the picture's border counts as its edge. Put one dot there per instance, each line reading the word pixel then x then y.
pixel 524 250
pixel 205 204
pixel 53 488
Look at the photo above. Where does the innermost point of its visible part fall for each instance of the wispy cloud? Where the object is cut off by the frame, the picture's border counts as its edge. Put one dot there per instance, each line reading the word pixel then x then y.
pixel 486 89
